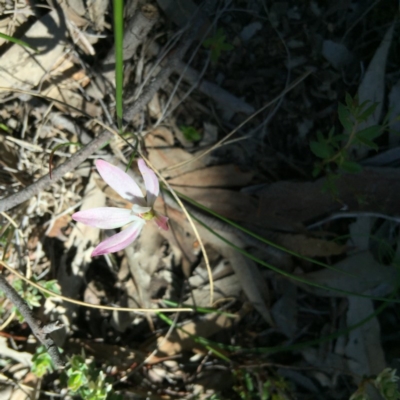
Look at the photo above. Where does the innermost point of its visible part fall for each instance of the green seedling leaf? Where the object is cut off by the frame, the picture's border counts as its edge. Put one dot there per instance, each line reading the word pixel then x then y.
pixel 350 166
pixel 367 142
pixel 190 133
pixel 5 128
pixel 51 285
pixel 349 101
pixel 367 113
pixel 217 45
pixel 320 137
pixel 370 133
pixel 18 41
pixel 344 117
pixel 339 138
pixel 331 134
pixel 41 362
pixel 321 149
pixel 76 380
pixel 316 171
pixel 386 383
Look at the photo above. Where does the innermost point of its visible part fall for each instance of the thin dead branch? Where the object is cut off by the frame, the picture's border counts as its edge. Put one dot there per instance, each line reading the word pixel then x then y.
pixel 38 329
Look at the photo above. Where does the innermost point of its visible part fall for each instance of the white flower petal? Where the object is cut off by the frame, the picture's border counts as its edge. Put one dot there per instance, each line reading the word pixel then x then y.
pixel 139 209
pixel 120 181
pixel 105 217
pixel 150 181
pixel 120 240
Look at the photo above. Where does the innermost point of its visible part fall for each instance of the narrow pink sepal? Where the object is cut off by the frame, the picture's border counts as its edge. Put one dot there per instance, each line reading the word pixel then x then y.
pixel 120 240
pixel 161 221
pixel 120 181
pixel 105 217
pixel 150 181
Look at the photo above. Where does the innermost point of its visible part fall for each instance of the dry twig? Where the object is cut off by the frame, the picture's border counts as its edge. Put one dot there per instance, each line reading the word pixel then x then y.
pixel 39 330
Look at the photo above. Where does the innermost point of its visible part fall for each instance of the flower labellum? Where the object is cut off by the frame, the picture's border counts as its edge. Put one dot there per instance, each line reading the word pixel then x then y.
pixel 134 218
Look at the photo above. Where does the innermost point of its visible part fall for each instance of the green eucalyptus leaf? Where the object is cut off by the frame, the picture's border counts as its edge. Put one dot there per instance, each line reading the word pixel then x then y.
pixel 371 133
pixel 349 101
pixel 367 113
pixel 339 138
pixel 316 171
pixel 320 137
pixel 344 117
pixel 366 142
pixel 350 166
pixel 321 149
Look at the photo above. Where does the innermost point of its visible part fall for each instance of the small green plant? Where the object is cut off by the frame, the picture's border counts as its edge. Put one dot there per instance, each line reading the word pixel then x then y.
pixel 88 381
pixel 217 45
pixel 190 133
pixel 252 386
pixel 41 362
pixel 81 378
pixel 385 382
pixel 334 149
pixel 32 295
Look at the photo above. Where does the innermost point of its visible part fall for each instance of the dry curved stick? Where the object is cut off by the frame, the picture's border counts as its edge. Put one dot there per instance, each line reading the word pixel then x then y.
pixel 89 305
pixel 195 230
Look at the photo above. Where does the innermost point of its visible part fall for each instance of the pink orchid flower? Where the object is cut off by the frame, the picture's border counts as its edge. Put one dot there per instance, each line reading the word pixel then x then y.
pixel 112 217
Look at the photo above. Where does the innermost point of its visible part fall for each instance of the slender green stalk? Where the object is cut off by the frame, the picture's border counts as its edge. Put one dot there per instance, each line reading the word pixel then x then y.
pixel 119 67
pixel 18 41
pixel 302 345
pixel 260 238
pixel 292 276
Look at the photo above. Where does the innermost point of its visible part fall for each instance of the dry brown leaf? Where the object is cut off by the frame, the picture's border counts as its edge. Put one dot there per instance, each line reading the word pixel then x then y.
pixel 28 389
pixel 364 351
pixel 309 246
pixel 284 311
pixel 183 245
pixel 180 341
pixel 368 275
pixel 231 204
pixel 97 10
pixel 225 288
pixel 56 228
pixel 73 99
pixel 373 189
pixel 75 11
pixel 20 356
pixel 166 156
pixel 215 176
pixel 372 88
pixel 21 67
